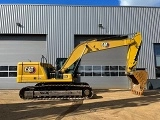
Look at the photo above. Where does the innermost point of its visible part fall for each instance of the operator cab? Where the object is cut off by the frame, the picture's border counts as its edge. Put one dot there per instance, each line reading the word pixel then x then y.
pixel 72 69
pixel 55 72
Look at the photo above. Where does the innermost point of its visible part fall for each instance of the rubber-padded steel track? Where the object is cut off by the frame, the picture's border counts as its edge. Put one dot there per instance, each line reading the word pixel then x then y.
pixel 49 91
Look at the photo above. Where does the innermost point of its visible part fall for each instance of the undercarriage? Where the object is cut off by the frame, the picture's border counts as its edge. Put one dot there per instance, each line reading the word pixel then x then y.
pixel 49 91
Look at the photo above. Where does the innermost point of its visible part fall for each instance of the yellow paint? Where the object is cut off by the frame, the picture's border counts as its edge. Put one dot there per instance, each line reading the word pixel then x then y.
pixel 39 75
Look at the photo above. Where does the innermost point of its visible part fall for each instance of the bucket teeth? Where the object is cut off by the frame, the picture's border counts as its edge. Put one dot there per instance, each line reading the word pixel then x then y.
pixel 139 93
pixel 138 81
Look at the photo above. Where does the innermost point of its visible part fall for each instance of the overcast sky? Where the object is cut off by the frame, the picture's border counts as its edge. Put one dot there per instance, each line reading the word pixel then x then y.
pixel 139 2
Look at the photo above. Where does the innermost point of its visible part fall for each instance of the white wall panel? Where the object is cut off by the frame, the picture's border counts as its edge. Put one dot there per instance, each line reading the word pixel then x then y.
pixel 61 23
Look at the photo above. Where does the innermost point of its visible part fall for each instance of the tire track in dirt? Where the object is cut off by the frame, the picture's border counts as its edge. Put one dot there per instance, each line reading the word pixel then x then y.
pixel 72 108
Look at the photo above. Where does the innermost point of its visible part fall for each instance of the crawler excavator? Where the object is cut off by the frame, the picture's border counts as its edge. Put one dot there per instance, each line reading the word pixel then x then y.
pixel 60 82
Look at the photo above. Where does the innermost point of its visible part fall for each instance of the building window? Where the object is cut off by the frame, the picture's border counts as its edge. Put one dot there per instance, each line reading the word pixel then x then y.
pixel 105 73
pixel 88 68
pixel 157 59
pixel 3 74
pixel 122 74
pixel 12 74
pixel 81 70
pixel 96 70
pixel 100 70
pixel 114 73
pixel 8 71
pixel 114 68
pixel 105 68
pixel 12 68
pixel 81 73
pixel 3 68
pixel 88 73
pixel 96 73
pixel 121 67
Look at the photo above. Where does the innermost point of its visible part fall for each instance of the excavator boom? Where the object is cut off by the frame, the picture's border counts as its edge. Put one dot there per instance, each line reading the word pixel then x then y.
pixel 94 46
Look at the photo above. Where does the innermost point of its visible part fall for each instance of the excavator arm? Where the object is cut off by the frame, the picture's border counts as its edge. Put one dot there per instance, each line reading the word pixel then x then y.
pixel 138 77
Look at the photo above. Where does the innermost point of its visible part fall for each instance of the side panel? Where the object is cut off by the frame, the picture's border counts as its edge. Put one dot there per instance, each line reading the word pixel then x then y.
pixel 30 72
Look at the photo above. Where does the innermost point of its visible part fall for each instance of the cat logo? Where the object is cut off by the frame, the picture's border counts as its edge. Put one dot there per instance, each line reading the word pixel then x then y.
pixel 30 69
pixel 105 44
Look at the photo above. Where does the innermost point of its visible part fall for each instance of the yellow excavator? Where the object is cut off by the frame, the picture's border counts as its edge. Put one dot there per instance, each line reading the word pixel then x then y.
pixel 60 82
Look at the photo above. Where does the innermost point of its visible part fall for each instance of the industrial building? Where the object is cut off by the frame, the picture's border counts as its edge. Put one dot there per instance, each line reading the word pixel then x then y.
pixel 29 31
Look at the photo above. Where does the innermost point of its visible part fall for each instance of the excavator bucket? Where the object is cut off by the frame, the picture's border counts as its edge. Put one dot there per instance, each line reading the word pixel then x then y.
pixel 138 81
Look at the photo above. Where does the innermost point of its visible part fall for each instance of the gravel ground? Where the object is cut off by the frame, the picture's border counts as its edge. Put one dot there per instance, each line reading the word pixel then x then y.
pixel 107 104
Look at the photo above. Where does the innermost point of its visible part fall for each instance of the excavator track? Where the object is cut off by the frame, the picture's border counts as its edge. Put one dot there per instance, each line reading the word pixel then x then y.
pixel 54 91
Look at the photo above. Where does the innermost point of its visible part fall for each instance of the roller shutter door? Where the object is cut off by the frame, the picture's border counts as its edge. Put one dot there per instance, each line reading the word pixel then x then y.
pixel 15 48
pixel 103 69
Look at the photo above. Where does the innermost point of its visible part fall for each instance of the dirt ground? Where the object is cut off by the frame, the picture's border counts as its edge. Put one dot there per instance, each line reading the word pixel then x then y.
pixel 109 105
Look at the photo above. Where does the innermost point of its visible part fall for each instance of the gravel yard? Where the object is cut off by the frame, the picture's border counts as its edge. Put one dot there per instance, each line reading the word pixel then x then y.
pixel 107 104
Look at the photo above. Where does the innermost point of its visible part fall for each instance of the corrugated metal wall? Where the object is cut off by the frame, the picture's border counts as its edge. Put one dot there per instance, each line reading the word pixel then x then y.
pixel 60 23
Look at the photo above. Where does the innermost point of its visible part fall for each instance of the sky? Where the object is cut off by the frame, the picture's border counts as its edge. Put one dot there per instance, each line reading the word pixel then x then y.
pixel 87 2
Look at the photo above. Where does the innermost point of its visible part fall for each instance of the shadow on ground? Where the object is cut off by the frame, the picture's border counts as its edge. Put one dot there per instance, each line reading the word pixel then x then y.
pixel 38 109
